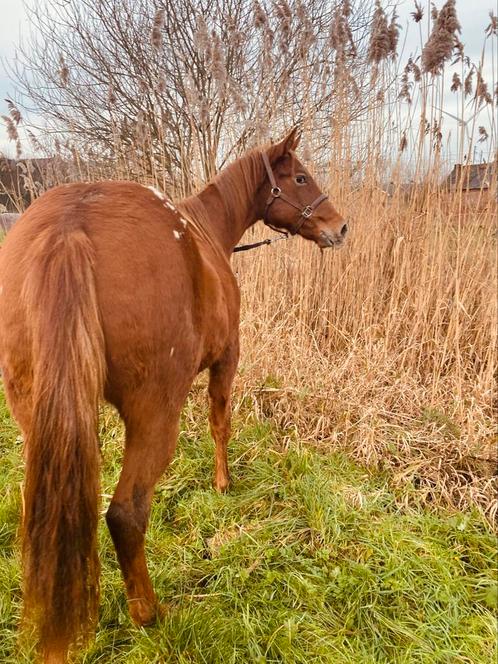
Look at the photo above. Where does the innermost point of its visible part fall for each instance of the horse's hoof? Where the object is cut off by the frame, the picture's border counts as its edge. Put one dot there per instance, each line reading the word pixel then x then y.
pixel 55 657
pixel 143 613
pixel 222 485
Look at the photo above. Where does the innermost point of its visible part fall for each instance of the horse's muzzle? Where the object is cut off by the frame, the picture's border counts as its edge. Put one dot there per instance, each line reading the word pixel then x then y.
pixel 332 239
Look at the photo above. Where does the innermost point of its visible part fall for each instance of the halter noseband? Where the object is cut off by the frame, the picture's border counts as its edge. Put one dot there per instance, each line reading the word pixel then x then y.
pixel 276 192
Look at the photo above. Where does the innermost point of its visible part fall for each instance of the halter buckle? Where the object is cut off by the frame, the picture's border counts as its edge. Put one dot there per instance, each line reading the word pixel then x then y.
pixel 307 212
pixel 275 192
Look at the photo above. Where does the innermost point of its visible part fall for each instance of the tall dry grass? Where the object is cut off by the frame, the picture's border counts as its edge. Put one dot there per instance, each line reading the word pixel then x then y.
pixel 387 348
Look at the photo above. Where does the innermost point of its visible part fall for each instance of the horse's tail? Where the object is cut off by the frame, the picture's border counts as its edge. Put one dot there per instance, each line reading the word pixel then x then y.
pixel 61 569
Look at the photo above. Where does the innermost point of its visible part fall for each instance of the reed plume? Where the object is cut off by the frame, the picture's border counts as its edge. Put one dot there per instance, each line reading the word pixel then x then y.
pixel 456 82
pixel 63 72
pixel 11 128
pixel 156 36
pixel 441 42
pixel 418 14
pixel 380 36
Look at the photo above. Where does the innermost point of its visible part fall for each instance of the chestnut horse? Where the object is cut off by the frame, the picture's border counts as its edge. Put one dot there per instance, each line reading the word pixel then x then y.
pixel 110 291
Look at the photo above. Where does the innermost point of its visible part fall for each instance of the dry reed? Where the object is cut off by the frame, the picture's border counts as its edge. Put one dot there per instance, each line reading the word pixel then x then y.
pixel 387 349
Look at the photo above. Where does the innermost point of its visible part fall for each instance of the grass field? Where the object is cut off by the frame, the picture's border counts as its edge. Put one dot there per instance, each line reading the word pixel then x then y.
pixel 310 558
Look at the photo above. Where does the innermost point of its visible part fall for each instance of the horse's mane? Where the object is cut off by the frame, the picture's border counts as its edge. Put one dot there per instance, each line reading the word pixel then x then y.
pixel 236 184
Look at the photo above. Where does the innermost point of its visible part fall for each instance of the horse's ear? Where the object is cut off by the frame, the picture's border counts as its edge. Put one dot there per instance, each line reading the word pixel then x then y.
pixel 290 142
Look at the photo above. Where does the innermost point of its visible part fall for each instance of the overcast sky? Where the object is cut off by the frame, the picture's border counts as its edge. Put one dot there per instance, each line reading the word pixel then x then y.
pixel 473 15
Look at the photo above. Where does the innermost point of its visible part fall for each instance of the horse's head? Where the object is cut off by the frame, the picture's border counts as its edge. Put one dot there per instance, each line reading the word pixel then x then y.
pixel 292 201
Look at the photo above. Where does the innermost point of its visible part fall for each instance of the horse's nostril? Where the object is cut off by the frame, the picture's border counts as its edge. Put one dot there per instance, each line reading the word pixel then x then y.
pixel 344 230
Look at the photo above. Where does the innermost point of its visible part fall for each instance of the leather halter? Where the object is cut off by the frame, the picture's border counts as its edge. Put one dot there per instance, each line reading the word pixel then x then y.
pixel 276 192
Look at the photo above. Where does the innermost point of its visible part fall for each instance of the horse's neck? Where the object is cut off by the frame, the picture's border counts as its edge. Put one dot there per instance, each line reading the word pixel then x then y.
pixel 226 208
pixel 227 223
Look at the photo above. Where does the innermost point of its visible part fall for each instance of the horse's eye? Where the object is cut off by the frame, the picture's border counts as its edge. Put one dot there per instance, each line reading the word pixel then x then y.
pixel 301 179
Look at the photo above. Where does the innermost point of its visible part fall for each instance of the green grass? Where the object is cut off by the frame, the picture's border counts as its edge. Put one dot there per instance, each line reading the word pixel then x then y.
pixel 309 558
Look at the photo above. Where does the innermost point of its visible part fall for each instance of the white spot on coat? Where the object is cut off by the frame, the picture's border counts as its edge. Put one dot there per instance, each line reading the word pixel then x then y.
pixel 172 351
pixel 159 194
pixel 177 235
pixel 162 197
pixel 184 222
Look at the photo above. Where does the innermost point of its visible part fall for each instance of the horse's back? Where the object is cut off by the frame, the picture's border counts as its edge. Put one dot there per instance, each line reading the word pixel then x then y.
pixel 155 290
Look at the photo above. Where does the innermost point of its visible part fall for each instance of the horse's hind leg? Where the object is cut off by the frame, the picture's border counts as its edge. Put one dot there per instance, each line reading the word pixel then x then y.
pixel 151 434
pixel 220 385
pixel 18 393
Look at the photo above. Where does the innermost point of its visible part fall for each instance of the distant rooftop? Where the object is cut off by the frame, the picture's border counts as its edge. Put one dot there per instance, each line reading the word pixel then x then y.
pixel 472 176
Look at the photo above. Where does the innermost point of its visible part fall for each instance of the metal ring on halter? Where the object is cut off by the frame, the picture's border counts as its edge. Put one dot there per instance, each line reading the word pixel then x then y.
pixel 275 192
pixel 307 212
